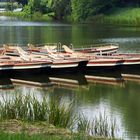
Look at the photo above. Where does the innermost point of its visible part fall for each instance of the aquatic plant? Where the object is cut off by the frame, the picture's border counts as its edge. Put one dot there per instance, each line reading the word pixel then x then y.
pixel 28 108
pixel 98 126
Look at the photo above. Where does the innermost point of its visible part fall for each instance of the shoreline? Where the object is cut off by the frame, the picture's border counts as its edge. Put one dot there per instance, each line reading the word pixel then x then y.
pixel 116 17
pixel 16 129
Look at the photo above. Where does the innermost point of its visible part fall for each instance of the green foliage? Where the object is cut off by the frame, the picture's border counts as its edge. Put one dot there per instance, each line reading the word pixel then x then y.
pixel 28 108
pixel 27 11
pixel 81 9
pixel 98 126
pixel 61 8
pixel 40 136
pixel 77 10
pixel 10 6
pixel 119 16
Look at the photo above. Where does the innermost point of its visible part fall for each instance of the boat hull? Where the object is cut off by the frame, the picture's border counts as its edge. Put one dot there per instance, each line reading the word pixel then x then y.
pixel 42 67
pixel 31 69
pixel 131 64
pixel 104 64
pixel 68 66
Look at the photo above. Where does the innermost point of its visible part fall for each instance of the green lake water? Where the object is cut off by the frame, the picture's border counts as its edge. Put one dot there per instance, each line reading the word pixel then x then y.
pixel 118 97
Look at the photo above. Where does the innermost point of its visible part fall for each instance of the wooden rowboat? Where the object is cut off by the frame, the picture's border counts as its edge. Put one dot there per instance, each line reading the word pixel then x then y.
pixel 99 49
pixel 130 59
pixel 26 61
pixel 126 54
pixel 71 60
pixel 95 62
pixel 104 64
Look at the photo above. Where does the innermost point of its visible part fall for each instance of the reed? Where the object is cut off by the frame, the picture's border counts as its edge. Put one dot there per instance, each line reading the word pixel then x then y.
pixel 119 16
pixel 98 126
pixel 27 108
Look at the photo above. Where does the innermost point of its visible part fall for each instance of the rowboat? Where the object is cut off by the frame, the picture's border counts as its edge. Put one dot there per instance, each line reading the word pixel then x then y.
pixel 100 49
pixel 24 61
pixel 102 64
pixel 69 60
pixel 131 60
pixel 96 61
pixel 127 54
pixel 76 60
pixel 22 66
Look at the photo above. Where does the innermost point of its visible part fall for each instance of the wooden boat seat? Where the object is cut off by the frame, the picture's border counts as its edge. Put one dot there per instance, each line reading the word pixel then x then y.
pixel 75 54
pixel 50 49
pixel 33 48
pixel 67 49
pixel 22 54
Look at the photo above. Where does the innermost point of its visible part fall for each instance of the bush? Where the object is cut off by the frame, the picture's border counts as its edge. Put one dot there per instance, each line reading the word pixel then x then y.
pixel 27 11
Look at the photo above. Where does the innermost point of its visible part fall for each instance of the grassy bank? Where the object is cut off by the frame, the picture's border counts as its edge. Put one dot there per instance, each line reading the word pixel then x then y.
pixel 28 115
pixel 37 16
pixel 17 130
pixel 119 16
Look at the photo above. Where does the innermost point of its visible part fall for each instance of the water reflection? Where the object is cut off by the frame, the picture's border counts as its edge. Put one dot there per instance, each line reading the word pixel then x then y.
pixel 92 93
pixel 13 21
pixel 22 32
pixel 116 79
pixel 115 93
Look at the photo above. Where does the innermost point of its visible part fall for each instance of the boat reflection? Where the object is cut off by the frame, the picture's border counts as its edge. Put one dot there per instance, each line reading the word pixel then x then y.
pixel 113 78
pixel 133 75
pixel 116 78
pixel 32 81
pixel 68 81
pixel 6 84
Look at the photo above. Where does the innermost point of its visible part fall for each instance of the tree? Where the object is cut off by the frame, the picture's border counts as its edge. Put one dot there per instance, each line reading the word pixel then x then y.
pixel 61 8
pixel 81 9
pixel 44 8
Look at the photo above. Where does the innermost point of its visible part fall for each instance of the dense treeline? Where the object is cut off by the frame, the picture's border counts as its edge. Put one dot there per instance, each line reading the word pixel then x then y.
pixel 76 9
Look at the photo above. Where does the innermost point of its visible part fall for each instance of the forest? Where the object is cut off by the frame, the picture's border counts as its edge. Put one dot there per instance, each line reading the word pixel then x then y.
pixel 76 10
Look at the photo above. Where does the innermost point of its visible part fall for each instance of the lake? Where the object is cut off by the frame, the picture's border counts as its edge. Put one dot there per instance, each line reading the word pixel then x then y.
pixel 116 94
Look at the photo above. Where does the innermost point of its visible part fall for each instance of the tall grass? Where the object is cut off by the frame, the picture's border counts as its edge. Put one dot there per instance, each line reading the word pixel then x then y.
pixel 27 108
pixel 37 16
pixel 119 16
pixel 98 126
